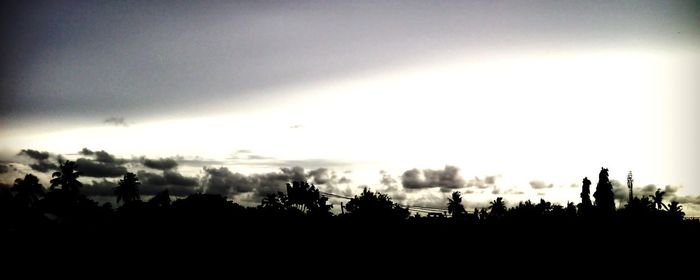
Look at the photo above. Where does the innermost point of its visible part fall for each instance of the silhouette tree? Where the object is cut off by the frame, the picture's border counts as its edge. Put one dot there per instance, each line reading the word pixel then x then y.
pixel 498 207
pixel 161 199
pixel 604 197
pixel 307 198
pixel 375 205
pixel 585 195
pixel 27 190
pixel 454 205
pixel 676 210
pixel 67 178
pixel 658 198
pixel 274 202
pixel 128 188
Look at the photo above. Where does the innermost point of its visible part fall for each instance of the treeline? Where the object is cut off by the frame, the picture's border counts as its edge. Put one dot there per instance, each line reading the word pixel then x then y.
pixel 28 206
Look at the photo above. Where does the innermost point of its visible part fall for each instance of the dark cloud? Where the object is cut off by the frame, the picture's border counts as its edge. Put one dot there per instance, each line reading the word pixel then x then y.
pixel 160 164
pixel 496 191
pixel 116 121
pixel 344 180
pixel 274 182
pixel 44 166
pixel 538 184
pixel 4 168
pixel 102 156
pixel 42 163
pixel 176 183
pixel 99 188
pixel 428 178
pixel 97 169
pixel 34 154
pixel 224 182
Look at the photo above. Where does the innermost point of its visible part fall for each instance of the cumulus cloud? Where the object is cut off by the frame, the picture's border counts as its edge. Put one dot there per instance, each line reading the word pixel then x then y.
pixel 539 184
pixel 160 164
pixel 41 160
pixel 391 187
pixel 176 183
pixel 275 182
pixel 116 121
pixel 91 168
pixel 34 154
pixel 477 182
pixel 224 182
pixel 428 178
pixel 321 175
pixel 102 156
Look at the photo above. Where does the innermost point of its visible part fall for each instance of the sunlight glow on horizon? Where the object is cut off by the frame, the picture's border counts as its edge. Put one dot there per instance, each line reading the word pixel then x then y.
pixel 550 116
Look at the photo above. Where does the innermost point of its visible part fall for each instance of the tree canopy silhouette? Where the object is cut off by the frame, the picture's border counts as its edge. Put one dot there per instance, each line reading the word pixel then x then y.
pixel 67 178
pixel 454 205
pixel 375 205
pixel 27 190
pixel 604 196
pixel 128 188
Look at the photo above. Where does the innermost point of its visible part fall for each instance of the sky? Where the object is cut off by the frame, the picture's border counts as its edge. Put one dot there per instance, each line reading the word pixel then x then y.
pixel 520 99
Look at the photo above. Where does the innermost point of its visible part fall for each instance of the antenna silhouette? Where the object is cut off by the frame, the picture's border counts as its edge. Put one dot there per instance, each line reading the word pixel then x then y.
pixel 629 185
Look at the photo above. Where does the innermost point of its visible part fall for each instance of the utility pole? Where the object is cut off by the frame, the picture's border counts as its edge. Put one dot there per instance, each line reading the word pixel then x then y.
pixel 629 185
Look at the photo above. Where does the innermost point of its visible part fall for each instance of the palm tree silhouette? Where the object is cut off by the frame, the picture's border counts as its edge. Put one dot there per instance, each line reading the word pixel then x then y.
pixel 27 190
pixel 676 210
pixel 128 188
pixel 67 178
pixel 454 205
pixel 658 199
pixel 498 207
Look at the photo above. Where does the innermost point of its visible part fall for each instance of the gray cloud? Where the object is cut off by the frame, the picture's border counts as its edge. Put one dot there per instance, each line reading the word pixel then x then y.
pixel 486 183
pixel 176 183
pixel 490 180
pixel 160 164
pixel 391 187
pixel 428 178
pixel 4 168
pixel 321 175
pixel 102 156
pixel 387 180
pixel 34 154
pixel 620 191
pixel 97 169
pixel 274 182
pixel 539 184
pixel 41 160
pixel 116 121
pixel 688 199
pixel 99 188
pixel 224 182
